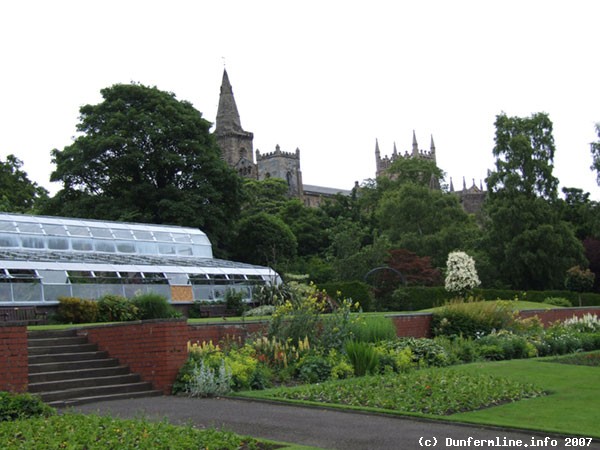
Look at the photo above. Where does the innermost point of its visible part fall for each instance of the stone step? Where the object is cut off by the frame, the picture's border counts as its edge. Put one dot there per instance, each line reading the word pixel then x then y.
pixel 61 385
pixel 56 341
pixel 58 375
pixel 48 334
pixel 59 357
pixel 96 391
pixel 78 348
pixel 64 366
pixel 81 400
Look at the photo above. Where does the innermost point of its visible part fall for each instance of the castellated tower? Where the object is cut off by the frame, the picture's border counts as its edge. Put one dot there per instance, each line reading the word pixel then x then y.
pixel 235 143
pixel 383 164
pixel 284 165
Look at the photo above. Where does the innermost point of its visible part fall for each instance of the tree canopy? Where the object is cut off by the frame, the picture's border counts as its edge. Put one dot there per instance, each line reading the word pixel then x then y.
pixel 17 192
pixel 145 156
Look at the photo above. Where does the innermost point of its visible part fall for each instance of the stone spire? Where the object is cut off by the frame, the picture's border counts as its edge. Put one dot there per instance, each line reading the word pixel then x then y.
pixel 395 153
pixel 415 146
pixel 228 118
pixel 451 185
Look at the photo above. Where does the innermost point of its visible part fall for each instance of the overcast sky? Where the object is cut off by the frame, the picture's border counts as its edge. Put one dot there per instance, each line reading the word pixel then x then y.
pixel 327 77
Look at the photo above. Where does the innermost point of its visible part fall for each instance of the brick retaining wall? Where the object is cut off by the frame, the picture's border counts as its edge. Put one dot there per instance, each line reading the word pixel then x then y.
pixel 14 366
pixel 156 349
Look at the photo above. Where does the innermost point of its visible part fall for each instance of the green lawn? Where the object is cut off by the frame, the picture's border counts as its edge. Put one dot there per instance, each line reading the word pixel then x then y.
pixel 571 407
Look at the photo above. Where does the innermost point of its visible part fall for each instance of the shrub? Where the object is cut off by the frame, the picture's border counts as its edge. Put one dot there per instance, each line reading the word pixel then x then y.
pixel 234 302
pixel 206 382
pixel 114 308
pixel 76 310
pixel 357 291
pixel 153 306
pixel 314 368
pixel 374 329
pixel 363 357
pixel 471 319
pixel 424 351
pixel 264 310
pixel 461 274
pixel 558 301
pixel 417 298
pixel 22 406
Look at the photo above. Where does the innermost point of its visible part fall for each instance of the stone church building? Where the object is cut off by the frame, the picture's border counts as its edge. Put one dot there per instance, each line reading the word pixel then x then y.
pixel 237 150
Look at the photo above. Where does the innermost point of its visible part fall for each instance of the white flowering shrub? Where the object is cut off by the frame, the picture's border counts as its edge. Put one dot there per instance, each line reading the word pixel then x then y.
pixel 461 275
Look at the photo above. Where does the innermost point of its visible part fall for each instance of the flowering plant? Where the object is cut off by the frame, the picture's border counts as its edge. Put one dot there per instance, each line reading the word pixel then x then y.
pixel 461 274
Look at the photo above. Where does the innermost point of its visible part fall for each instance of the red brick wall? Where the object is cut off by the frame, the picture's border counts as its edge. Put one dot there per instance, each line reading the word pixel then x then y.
pixel 14 366
pixel 154 349
pixel 413 325
pixel 549 316
pixel 216 332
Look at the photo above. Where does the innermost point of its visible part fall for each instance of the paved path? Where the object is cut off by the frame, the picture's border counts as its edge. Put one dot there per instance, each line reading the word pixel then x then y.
pixel 316 427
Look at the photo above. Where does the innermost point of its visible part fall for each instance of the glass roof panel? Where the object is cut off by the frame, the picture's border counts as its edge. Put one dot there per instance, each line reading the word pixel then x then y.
pixel 77 230
pixel 7 226
pixel 54 229
pixel 29 227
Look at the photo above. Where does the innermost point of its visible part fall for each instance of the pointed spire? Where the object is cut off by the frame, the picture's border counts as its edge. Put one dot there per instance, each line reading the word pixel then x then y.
pixel 377 152
pixel 432 146
pixel 464 184
pixel 415 146
pixel 395 153
pixel 228 118
pixel 451 185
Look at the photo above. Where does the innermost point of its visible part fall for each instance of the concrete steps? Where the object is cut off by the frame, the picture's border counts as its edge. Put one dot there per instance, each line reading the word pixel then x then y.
pixel 65 369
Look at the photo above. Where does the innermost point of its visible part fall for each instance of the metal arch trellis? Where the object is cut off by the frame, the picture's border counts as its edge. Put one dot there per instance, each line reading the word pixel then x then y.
pixel 382 268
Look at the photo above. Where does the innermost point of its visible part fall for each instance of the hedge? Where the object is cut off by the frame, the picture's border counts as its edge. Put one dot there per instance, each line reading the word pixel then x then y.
pixel 417 298
pixel 355 290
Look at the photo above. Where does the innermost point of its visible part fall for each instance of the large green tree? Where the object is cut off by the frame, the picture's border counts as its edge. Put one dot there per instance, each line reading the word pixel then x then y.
pixel 17 192
pixel 526 239
pixel 142 155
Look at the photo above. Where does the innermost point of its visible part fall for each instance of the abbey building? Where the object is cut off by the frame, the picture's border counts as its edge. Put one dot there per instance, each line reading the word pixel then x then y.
pixel 237 150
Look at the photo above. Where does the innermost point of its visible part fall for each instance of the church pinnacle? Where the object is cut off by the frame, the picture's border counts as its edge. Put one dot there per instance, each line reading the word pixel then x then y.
pixel 228 118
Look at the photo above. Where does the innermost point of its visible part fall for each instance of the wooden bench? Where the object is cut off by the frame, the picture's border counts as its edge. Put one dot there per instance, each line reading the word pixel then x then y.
pixel 28 314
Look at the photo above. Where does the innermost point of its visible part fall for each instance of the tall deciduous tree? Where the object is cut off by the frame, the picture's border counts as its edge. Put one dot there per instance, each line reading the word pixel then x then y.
pixel 145 156
pixel 17 192
pixel 527 241
pixel 524 154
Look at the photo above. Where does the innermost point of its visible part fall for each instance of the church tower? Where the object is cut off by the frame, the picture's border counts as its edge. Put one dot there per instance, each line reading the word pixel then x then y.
pixel 235 143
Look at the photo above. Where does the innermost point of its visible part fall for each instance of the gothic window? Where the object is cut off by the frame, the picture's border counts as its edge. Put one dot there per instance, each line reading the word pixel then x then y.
pixel 243 153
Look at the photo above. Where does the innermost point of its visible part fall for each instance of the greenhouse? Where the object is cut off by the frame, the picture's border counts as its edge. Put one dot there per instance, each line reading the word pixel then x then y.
pixel 44 258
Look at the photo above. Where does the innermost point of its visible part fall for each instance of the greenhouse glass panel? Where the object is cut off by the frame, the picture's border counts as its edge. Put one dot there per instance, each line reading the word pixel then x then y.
pixel 87 291
pixel 131 277
pixel 122 234
pixel 8 226
pixel 178 279
pixel 143 235
pixel 5 292
pixel 184 250
pixel 166 249
pixel 182 238
pixel 55 230
pixel 53 276
pixel 78 231
pixel 10 241
pixel 26 227
pixel 82 245
pixel 106 278
pixel 101 233
pixel 202 293
pixel 155 278
pixel 56 243
pixel 32 242
pixel 80 277
pixel 104 246
pixel 163 237
pixel 53 291
pixel 27 292
pixel 125 247
pixel 147 248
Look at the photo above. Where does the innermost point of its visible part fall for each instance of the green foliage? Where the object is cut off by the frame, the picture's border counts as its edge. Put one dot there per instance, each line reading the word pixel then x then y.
pixel 114 308
pixel 154 157
pixel 234 301
pixel 357 291
pixel 78 431
pixel 208 382
pixel 416 298
pixel 471 319
pixel 416 171
pixel 461 274
pixel 153 306
pixel 439 392
pixel 17 192
pixel 314 368
pixel 76 310
pixel 558 301
pixel 363 357
pixel 264 239
pixel 22 406
pixel 373 329
pixel 424 352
